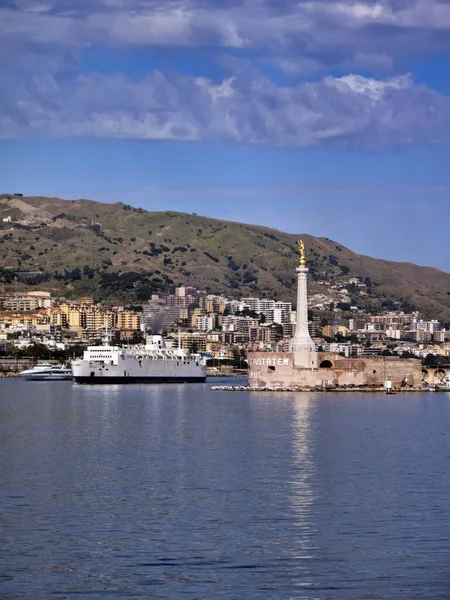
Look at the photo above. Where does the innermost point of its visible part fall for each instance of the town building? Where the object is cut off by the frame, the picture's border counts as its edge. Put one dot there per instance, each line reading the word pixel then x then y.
pixel 26 302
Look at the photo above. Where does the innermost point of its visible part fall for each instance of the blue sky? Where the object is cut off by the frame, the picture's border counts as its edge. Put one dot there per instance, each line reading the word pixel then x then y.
pixel 330 118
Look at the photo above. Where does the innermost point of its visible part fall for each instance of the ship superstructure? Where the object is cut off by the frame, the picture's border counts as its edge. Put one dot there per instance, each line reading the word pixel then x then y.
pixel 47 372
pixel 152 363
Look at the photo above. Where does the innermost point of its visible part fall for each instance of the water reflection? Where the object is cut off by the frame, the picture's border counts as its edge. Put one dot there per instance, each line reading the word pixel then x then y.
pixel 302 476
pixel 303 407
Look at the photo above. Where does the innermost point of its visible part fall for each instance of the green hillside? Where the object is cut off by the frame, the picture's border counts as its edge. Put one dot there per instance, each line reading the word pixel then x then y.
pixel 115 251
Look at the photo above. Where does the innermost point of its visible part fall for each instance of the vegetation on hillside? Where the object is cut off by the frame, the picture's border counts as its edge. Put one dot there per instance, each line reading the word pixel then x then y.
pixel 118 252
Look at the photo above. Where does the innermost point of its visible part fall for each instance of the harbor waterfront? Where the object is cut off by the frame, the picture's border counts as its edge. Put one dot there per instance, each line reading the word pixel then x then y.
pixel 304 367
pixel 175 491
pixel 328 390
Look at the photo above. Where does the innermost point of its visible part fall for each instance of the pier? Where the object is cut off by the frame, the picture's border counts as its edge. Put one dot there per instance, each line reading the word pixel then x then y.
pixel 364 390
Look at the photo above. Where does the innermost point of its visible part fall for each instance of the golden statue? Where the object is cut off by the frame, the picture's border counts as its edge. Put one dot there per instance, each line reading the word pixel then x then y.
pixel 301 251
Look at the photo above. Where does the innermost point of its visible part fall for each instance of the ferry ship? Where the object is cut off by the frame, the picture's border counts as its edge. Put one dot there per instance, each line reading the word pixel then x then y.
pixel 152 363
pixel 47 372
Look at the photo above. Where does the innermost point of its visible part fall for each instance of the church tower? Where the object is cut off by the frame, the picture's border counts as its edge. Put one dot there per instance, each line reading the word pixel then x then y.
pixel 301 345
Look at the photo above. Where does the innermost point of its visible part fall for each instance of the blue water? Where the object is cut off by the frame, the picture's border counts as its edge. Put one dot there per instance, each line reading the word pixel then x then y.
pixel 181 492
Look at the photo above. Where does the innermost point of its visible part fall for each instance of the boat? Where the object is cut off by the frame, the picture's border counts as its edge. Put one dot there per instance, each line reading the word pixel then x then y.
pixel 152 363
pixel 443 386
pixel 47 372
pixel 388 387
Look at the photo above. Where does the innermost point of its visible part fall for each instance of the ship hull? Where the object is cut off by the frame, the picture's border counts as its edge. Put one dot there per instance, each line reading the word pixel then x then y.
pixel 68 377
pixel 134 370
pixel 112 380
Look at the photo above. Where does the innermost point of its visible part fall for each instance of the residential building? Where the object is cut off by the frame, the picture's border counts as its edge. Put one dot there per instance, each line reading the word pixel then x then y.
pixel 27 302
pixel 126 319
pixel 205 322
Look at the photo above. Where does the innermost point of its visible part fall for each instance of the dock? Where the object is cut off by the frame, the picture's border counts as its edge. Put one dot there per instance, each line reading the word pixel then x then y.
pixel 244 388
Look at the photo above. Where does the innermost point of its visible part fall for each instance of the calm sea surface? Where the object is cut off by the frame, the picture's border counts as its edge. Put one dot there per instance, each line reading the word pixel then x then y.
pixel 176 491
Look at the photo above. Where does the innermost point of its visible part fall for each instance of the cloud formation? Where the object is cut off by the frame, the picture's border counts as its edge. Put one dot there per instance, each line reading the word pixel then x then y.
pixel 47 94
pixel 350 111
pixel 316 26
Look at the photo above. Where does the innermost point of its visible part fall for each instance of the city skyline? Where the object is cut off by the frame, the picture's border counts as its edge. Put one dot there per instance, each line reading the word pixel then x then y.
pixel 326 118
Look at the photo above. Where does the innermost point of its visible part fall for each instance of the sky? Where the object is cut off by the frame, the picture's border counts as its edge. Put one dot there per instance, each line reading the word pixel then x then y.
pixel 324 117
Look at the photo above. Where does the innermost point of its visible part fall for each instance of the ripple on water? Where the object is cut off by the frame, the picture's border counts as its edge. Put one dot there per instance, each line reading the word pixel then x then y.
pixel 180 492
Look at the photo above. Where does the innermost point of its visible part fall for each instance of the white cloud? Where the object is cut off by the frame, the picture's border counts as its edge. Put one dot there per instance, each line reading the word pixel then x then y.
pixel 434 14
pixel 359 11
pixel 317 26
pixel 350 111
pixel 370 88
pixel 41 55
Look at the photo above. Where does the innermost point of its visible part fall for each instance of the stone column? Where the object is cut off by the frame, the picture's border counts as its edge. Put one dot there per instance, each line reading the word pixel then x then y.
pixel 301 345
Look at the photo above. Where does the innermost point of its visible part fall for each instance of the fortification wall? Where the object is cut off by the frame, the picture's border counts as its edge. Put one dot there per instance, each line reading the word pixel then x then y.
pixel 277 369
pixel 398 370
pixel 435 375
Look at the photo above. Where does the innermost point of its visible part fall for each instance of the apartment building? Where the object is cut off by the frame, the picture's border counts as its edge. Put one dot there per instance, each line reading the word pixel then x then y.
pixel 391 321
pixel 11 319
pixel 126 319
pixel 98 319
pixel 212 303
pixel 27 302
pixel 421 325
pixel 181 300
pixel 193 342
pixel 356 324
pixel 205 322
pixel 282 312
pixel 267 307
pixel 332 330
pixel 196 312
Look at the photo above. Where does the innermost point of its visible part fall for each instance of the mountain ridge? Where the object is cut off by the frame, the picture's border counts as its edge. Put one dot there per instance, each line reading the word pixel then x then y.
pixel 79 246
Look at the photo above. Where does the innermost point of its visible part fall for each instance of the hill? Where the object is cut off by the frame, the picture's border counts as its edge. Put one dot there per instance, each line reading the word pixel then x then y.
pixel 116 251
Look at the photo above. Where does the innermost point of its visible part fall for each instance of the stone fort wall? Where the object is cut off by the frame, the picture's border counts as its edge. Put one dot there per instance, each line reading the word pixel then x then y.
pixel 277 369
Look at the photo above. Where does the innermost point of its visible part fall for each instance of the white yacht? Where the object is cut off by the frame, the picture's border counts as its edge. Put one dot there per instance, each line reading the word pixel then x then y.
pixel 445 385
pixel 47 372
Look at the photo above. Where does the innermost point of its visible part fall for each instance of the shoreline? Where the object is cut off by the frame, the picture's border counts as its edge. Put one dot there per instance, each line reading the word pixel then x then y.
pixel 362 390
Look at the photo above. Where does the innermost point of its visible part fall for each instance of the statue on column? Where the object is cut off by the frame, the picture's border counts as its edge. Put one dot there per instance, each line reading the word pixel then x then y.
pixel 301 251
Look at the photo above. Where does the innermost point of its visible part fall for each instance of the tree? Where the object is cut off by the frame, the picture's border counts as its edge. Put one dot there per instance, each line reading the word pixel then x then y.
pixel 138 338
pixel 343 305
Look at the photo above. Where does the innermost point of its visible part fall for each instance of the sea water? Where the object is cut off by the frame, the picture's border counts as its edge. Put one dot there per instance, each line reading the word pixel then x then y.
pixel 178 491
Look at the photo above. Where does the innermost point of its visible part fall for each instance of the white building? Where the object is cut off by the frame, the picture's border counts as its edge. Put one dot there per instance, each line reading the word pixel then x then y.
pixel 282 313
pixel 204 323
pixel 27 302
